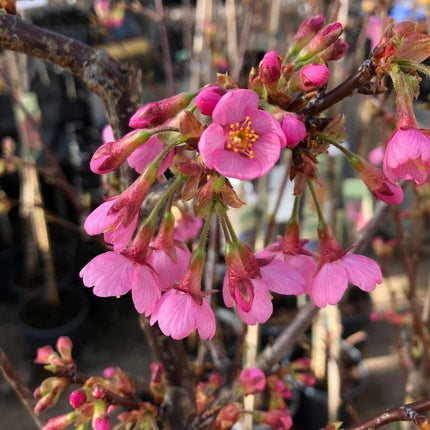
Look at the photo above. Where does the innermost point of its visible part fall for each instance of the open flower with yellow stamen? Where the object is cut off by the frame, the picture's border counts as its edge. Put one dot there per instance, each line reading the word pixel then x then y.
pixel 243 141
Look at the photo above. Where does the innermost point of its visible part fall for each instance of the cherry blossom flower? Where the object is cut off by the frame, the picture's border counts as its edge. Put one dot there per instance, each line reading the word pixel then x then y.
pixel 117 218
pixel 243 141
pixel 178 315
pixel 148 152
pixel 115 231
pixel 112 274
pixel 250 279
pixel 407 155
pixel 337 268
pixel 277 419
pixel 188 227
pixel 291 249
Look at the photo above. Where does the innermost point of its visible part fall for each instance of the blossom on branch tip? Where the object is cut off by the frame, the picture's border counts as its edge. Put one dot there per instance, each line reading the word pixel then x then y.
pixel 270 70
pixel 407 155
pixel 243 141
pixel 336 269
pixel 249 280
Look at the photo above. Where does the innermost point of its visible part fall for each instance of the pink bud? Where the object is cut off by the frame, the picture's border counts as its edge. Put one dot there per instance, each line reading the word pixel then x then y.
pixel 208 98
pixel 155 113
pixel 111 155
pixel 334 52
pixel 109 372
pixel 252 380
pixel 102 423
pixel 294 129
pixel 376 155
pixel 64 347
pixel 322 40
pixel 310 77
pixel 77 398
pixel 305 33
pixel 374 316
pixel 215 379
pixel 270 69
pixel 60 422
pixel 227 417
pixel 44 354
pixel 98 391
pixel 278 419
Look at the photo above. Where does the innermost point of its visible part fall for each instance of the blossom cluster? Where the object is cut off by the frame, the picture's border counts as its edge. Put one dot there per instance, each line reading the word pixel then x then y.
pixel 194 142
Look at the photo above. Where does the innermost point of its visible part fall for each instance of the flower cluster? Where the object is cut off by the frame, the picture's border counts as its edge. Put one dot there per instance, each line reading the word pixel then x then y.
pixel 194 143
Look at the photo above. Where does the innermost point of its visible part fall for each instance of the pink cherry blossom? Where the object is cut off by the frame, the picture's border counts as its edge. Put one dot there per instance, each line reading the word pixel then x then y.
pixel 208 98
pixel 407 156
pixel 294 129
pixel 249 280
pixel 178 315
pixel 112 274
pixel 252 380
pixel 243 141
pixel 337 268
pixel 146 153
pixel 374 30
pixel 115 232
pixel 376 155
pixel 270 69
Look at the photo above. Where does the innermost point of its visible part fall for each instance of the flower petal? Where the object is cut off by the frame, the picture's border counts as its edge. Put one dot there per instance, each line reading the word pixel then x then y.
pixel 262 307
pixel 232 106
pixel 146 289
pixel 111 274
pixel 282 278
pixel 212 139
pixel 362 271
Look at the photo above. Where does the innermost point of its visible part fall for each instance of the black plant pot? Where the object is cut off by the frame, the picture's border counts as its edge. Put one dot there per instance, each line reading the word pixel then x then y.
pixel 312 413
pixel 42 323
pixel 355 310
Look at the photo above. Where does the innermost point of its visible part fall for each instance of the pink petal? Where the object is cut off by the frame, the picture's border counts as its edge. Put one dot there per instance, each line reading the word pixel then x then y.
pixel 362 271
pixel 233 106
pixel 237 166
pixel 212 139
pixel 120 236
pixel 111 274
pixel 328 285
pixel 226 296
pixel 160 261
pixel 267 150
pixel 98 220
pixel 262 307
pixel 146 289
pixel 282 278
pixel 205 320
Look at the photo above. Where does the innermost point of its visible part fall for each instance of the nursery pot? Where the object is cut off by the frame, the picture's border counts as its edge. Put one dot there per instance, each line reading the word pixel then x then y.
pixel 355 311
pixel 312 413
pixel 43 323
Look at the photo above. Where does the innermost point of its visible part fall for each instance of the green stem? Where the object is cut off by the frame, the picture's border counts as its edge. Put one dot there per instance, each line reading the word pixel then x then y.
pixel 295 211
pixel 231 231
pixel 166 150
pixel 168 194
pixel 205 230
pixel 315 199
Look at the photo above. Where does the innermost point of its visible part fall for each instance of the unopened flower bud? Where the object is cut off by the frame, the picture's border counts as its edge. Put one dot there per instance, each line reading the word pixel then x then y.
pixel 77 398
pixel 252 380
pixel 98 391
pixel 101 420
pixel 155 113
pixel 64 347
pixel 112 155
pixel 294 129
pixel 270 70
pixel 158 382
pixel 60 422
pixel 278 419
pixel 45 354
pixel 227 417
pixel 109 372
pixel 208 98
pixel 309 78
pixel 322 40
pixel 334 52
pixel 216 380
pixel 305 33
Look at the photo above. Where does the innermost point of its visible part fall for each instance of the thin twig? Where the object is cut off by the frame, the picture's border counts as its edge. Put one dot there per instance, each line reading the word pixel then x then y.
pixel 17 384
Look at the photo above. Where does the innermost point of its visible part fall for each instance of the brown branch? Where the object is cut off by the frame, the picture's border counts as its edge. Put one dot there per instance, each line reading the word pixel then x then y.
pixel 116 83
pixel 17 384
pixel 364 74
pixel 409 412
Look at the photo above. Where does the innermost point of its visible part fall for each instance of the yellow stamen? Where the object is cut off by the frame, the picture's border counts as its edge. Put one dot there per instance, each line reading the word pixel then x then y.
pixel 242 137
